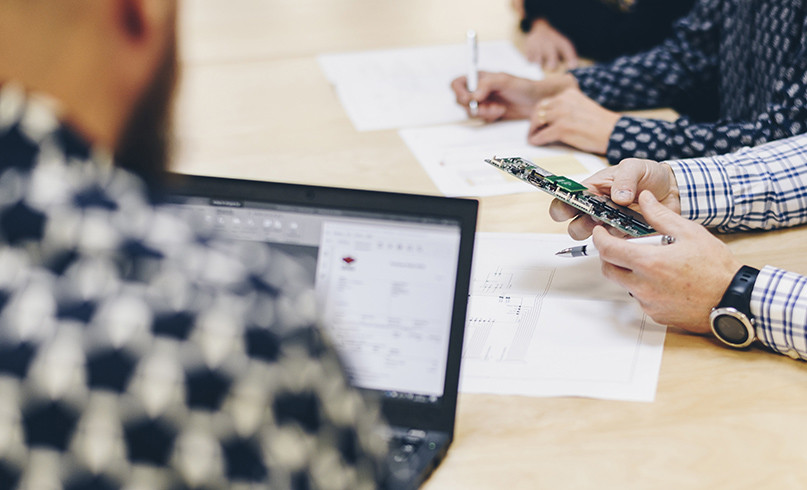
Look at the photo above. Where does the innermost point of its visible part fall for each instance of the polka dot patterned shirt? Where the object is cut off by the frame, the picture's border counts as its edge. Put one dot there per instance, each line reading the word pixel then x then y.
pixel 741 65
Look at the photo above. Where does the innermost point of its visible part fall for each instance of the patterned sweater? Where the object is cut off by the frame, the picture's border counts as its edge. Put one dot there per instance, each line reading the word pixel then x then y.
pixel 740 64
pixel 136 354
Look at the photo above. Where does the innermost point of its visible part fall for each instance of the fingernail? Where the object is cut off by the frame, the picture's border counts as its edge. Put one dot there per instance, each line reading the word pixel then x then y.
pixel 624 195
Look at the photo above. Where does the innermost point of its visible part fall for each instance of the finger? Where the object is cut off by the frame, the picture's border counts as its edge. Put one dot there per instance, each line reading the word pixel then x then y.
pixel 460 87
pixel 491 111
pixel 625 254
pixel 616 232
pixel 600 182
pixel 619 275
pixel 538 119
pixel 518 6
pixel 569 54
pixel 543 136
pixel 550 59
pixel 539 116
pixel 616 251
pixel 581 227
pixel 662 218
pixel 560 211
pixel 534 53
pixel 626 177
pixel 490 83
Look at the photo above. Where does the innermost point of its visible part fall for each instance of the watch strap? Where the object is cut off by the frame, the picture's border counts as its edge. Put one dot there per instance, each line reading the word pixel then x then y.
pixel 738 294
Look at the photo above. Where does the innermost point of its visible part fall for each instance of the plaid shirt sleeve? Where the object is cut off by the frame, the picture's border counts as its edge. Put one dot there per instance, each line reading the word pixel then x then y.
pixel 757 188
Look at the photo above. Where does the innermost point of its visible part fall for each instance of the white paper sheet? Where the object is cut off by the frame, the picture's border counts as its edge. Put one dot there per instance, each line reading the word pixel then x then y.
pixel 389 89
pixel 541 325
pixel 454 155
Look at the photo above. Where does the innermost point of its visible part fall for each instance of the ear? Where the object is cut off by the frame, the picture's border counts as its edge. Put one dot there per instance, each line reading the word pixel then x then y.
pixel 134 35
pixel 132 19
pixel 142 20
pixel 143 31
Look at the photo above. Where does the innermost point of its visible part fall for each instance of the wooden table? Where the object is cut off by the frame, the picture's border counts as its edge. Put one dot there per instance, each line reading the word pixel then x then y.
pixel 254 104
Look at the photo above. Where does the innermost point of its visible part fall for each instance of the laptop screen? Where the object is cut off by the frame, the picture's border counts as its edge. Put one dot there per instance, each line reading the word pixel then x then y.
pixel 385 282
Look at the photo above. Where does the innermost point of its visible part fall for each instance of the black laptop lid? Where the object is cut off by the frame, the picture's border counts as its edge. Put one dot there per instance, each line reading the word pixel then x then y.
pixel 391 272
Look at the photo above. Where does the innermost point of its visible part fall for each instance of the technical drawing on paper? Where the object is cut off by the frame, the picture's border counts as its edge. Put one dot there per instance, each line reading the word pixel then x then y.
pixel 505 299
pixel 543 325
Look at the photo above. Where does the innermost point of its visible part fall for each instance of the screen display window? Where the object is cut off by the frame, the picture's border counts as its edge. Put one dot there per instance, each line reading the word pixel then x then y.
pixel 384 284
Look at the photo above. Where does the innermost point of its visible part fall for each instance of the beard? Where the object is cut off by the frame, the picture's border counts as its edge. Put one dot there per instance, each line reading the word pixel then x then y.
pixel 146 142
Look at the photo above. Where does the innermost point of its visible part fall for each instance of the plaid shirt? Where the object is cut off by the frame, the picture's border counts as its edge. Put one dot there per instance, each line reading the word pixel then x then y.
pixel 757 188
pixel 135 354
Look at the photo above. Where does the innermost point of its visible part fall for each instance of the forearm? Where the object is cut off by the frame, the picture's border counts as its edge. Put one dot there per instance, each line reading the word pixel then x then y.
pixel 778 305
pixel 662 140
pixel 755 188
pixel 628 83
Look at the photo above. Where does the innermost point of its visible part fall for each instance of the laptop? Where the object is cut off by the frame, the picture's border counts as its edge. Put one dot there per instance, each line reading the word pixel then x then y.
pixel 391 274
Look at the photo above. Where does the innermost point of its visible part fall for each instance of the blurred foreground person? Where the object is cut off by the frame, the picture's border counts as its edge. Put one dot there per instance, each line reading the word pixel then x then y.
pixel 134 353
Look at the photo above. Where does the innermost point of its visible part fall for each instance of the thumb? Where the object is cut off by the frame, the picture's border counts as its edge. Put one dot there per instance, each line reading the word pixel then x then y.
pixel 625 185
pixel 491 111
pixel 660 217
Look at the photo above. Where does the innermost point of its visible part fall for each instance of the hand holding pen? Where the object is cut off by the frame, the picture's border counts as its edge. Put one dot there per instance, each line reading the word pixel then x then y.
pixel 501 96
pixel 589 250
pixel 675 284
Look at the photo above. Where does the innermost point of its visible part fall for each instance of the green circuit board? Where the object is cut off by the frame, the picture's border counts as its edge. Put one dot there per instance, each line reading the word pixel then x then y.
pixel 576 195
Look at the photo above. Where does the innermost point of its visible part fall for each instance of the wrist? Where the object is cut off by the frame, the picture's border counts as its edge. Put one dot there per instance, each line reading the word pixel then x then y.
pixel 540 23
pixel 673 193
pixel 559 82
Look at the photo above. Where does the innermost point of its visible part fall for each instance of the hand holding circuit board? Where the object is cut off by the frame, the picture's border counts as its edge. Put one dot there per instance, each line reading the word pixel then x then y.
pixel 575 195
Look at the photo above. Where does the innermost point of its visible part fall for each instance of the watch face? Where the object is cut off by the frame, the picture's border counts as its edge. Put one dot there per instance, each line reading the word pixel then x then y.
pixel 731 329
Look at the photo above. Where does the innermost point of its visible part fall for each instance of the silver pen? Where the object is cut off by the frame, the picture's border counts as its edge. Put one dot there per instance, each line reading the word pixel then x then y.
pixel 473 69
pixel 589 250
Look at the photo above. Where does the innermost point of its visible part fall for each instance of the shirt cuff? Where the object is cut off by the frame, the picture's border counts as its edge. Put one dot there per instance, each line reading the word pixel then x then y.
pixel 589 80
pixel 637 137
pixel 779 306
pixel 704 189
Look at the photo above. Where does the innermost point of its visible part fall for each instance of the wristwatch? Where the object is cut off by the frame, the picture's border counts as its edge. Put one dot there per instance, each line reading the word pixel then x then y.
pixel 731 320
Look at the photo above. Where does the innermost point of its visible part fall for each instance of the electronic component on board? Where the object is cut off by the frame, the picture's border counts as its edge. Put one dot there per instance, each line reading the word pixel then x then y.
pixel 576 195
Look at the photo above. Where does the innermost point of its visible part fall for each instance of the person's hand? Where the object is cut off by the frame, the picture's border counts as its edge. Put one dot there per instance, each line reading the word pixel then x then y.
pixel 574 119
pixel 549 48
pixel 518 6
pixel 622 183
pixel 676 284
pixel 503 96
